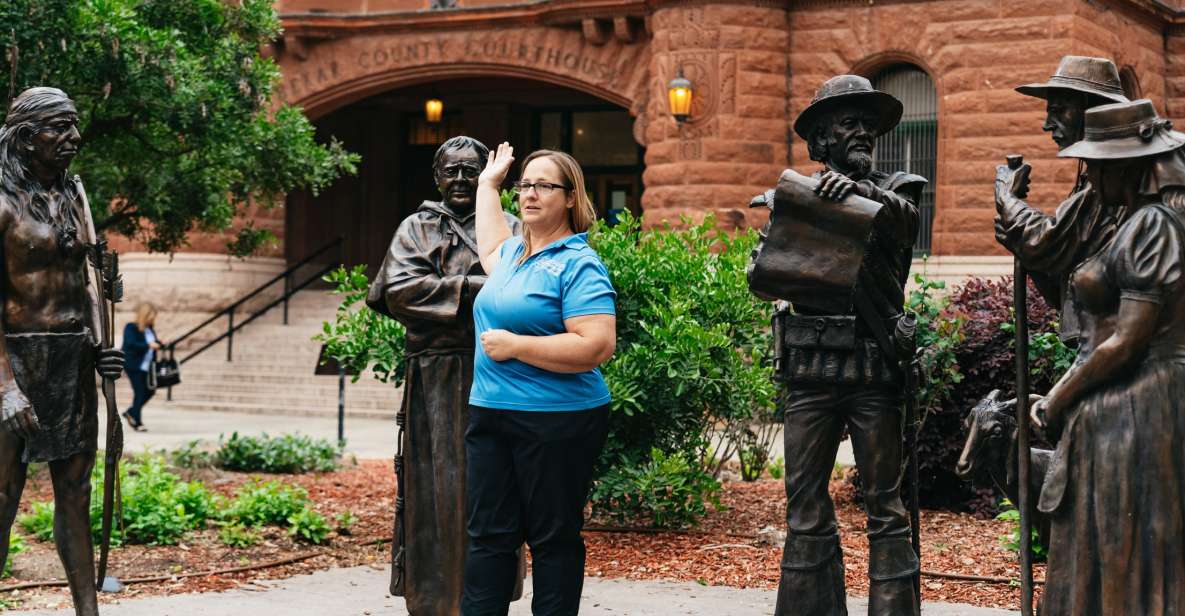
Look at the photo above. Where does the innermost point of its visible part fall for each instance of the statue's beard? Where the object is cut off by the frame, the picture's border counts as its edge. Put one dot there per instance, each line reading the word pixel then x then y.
pixel 860 163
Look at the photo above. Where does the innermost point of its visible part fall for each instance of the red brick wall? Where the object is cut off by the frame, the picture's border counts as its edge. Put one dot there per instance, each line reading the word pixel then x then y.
pixel 976 51
pixel 270 219
pixel 734 146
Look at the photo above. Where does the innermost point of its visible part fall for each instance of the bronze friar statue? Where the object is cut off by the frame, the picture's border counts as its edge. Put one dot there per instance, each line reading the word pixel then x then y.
pixel 48 351
pixel 428 281
pixel 838 248
pixel 1115 488
pixel 1049 247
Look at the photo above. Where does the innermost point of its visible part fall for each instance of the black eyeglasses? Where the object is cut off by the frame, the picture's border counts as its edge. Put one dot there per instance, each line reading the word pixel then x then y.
pixel 541 188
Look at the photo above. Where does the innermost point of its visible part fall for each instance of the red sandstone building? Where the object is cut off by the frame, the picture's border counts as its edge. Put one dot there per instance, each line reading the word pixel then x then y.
pixel 591 77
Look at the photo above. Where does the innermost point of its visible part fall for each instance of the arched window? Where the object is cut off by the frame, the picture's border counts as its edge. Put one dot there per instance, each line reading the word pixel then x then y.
pixel 1130 82
pixel 912 146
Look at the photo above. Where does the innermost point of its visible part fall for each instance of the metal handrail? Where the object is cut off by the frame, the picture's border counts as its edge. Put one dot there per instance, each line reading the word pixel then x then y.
pixel 289 291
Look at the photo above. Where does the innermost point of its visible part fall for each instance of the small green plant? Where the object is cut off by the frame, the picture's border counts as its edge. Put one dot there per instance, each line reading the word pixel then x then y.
pixel 259 504
pixel 290 453
pixel 16 545
pixel 236 535
pixel 777 468
pixel 39 521
pixel 191 455
pixel 667 491
pixel 1011 541
pixel 159 508
pixel 345 520
pixel 510 201
pixel 309 526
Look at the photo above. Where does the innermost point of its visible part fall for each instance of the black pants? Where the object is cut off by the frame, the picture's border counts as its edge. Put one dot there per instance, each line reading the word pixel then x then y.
pixel 141 394
pixel 528 480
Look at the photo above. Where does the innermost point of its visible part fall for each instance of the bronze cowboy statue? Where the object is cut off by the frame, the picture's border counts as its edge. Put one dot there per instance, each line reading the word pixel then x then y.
pixel 1049 247
pixel 427 282
pixel 51 319
pixel 838 248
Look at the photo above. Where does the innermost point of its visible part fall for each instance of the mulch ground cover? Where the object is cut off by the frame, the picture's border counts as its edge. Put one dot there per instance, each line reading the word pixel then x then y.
pixel 728 548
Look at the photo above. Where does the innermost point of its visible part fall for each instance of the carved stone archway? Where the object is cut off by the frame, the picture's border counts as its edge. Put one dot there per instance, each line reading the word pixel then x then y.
pixel 329 74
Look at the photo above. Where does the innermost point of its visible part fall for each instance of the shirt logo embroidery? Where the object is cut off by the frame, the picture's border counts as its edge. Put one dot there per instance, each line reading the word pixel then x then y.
pixel 551 266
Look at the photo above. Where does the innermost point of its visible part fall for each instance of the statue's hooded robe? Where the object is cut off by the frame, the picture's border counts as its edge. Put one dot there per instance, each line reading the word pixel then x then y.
pixel 427 282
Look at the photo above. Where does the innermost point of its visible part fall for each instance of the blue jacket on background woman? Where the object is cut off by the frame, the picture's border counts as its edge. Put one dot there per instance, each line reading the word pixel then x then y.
pixel 139 350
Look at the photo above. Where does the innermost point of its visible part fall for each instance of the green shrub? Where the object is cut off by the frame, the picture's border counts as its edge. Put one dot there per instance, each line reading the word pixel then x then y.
pixel 159 508
pixel 260 504
pixel 308 526
pixel 191 455
pixel 290 453
pixel 692 369
pixel 359 338
pixel 236 535
pixel 777 468
pixel 1011 541
pixel 16 545
pixel 39 522
pixel 666 492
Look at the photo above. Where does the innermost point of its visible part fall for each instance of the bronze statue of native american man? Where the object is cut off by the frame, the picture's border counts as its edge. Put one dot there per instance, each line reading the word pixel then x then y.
pixel 838 249
pixel 48 350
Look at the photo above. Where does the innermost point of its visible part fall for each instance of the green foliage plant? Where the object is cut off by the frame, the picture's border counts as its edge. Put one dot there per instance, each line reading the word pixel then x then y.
pixel 359 338
pixel 308 526
pixel 177 110
pixel 237 535
pixel 159 508
pixel 287 453
pixel 777 468
pixel 692 368
pixel 344 522
pixel 1011 540
pixel 191 455
pixel 16 545
pixel 666 491
pixel 258 503
pixel 38 523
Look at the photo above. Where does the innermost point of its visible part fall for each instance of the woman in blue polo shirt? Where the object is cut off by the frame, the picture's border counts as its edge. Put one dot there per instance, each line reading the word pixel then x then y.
pixel 538 407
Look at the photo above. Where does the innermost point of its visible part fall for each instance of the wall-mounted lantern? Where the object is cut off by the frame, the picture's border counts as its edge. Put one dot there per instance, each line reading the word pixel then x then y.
pixel 679 94
pixel 433 109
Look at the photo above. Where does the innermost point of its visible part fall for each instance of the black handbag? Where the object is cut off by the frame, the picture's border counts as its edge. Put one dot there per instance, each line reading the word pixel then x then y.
pixel 166 372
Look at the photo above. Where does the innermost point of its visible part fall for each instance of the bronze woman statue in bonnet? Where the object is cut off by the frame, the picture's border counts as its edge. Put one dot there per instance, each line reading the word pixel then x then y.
pixel 427 282
pixel 1115 489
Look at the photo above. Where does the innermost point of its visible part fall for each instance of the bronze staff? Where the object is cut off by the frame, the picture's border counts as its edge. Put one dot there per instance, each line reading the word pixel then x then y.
pixel 1020 301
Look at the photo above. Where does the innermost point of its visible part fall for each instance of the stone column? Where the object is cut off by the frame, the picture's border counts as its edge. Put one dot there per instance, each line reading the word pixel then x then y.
pixel 734 146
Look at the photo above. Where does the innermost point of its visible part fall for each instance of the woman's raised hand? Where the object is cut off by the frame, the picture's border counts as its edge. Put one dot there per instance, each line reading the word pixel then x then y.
pixel 498 166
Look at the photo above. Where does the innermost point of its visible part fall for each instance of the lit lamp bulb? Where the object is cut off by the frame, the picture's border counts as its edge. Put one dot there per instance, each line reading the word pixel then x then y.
pixel 679 96
pixel 433 109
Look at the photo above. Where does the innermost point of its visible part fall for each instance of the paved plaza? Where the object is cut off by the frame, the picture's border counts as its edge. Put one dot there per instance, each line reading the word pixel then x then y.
pixel 362 591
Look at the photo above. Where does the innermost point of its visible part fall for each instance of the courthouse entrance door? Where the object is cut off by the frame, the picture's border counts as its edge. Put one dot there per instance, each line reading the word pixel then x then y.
pixel 397 144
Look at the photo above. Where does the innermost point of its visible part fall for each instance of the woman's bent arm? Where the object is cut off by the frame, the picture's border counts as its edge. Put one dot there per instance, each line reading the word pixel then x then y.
pixel 1134 329
pixel 588 343
pixel 492 228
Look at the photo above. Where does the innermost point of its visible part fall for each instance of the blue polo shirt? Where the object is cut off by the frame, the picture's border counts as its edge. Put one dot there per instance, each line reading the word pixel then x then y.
pixel 563 280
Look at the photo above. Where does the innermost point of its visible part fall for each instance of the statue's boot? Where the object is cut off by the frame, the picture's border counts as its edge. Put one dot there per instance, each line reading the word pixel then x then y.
pixel 892 571
pixel 812 577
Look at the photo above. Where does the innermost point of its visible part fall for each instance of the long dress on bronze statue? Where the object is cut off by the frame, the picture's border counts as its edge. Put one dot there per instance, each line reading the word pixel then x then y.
pixel 1116 486
pixel 427 281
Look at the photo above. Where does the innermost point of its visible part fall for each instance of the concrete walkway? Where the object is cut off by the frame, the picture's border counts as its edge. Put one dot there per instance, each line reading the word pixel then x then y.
pixel 365 438
pixel 171 428
pixel 362 591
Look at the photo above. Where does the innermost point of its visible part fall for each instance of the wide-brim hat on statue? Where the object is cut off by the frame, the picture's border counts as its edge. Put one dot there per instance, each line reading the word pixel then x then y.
pixel 1124 130
pixel 1097 76
pixel 849 90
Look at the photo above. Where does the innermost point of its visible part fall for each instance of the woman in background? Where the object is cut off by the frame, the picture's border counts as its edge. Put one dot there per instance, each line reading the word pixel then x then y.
pixel 538 409
pixel 139 349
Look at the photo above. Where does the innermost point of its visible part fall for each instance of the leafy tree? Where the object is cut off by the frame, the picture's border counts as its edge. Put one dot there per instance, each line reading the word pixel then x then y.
pixel 175 107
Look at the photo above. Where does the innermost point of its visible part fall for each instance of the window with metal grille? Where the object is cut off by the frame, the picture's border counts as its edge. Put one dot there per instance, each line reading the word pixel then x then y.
pixel 912 146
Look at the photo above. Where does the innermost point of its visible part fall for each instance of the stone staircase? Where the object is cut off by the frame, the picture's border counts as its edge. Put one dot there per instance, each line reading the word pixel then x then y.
pixel 272 370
